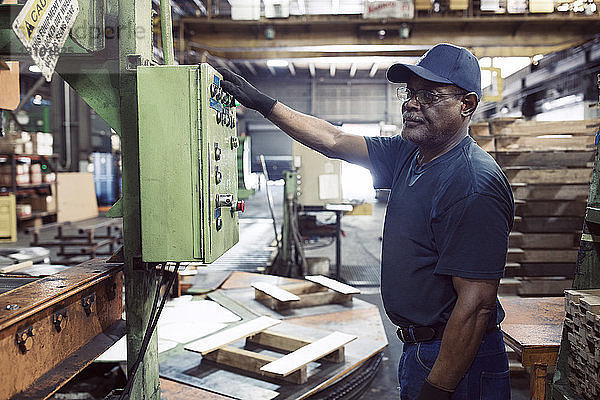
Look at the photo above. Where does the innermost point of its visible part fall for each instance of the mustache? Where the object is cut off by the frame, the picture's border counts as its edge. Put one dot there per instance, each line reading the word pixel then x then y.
pixel 407 116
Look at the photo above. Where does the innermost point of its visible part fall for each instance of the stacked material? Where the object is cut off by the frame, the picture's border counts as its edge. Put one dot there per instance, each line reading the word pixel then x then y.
pixel 549 166
pixel 582 324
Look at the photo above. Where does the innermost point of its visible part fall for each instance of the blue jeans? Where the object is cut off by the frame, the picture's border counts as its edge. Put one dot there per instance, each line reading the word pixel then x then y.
pixel 487 379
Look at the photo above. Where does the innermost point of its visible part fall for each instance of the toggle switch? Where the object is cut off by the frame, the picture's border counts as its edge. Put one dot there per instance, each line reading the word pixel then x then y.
pixel 218 152
pixel 218 176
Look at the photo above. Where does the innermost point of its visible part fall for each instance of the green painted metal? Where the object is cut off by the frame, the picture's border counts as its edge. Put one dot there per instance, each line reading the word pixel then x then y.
pixel 98 85
pixel 89 28
pixel 182 151
pixel 116 211
pixel 166 28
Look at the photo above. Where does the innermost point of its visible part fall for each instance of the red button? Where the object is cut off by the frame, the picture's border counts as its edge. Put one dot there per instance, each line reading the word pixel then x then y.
pixel 241 206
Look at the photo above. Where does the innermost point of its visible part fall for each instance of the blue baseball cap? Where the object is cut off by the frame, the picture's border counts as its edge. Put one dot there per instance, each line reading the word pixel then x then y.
pixel 443 63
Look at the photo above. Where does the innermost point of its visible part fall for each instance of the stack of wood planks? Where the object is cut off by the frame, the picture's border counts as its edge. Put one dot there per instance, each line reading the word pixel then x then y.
pixel 549 166
pixel 582 324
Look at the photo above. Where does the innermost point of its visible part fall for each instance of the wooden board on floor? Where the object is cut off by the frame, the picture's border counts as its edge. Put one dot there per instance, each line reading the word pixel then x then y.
pixel 275 292
pixel 549 255
pixel 294 361
pixel 332 284
pixel 231 335
pixel 544 286
pixel 76 196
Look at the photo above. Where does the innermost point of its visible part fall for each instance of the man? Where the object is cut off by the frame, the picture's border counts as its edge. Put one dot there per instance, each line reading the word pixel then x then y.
pixel 446 228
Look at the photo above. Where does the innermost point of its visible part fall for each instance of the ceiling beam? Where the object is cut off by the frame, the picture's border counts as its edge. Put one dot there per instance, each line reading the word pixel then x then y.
pixel 373 70
pixel 250 67
pixel 317 36
pixel 292 68
pixel 353 70
pixel 311 68
pixel 271 69
pixel 332 70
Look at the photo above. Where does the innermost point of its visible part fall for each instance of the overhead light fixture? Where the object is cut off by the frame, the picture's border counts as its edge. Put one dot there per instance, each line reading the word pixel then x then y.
pixel 37 99
pixel 277 63
pixel 381 34
pixel 269 33
pixel 35 68
pixel 536 59
pixel 404 31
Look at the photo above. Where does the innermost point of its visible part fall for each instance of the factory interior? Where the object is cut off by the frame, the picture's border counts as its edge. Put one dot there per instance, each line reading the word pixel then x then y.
pixel 160 240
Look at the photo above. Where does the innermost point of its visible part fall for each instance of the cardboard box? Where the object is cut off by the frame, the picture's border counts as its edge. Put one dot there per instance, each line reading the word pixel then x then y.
pixel 8 219
pixel 38 203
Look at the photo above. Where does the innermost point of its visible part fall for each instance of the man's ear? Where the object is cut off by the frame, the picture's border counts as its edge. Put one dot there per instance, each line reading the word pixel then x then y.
pixel 470 101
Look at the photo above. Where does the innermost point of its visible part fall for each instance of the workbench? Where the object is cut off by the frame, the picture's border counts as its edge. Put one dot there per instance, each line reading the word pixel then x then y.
pixel 184 371
pixel 533 328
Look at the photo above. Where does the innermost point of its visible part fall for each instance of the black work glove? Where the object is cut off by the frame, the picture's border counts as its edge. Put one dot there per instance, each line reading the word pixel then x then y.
pixel 430 392
pixel 245 93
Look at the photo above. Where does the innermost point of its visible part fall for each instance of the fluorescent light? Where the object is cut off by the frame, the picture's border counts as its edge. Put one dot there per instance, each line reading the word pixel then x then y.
pixel 277 63
pixel 35 68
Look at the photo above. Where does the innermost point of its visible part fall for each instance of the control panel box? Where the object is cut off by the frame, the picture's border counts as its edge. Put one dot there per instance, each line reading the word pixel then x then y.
pixel 188 164
pixel 319 177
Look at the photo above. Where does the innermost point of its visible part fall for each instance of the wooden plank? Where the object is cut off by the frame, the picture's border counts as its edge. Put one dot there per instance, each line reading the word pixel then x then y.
pixel 308 300
pixel 548 176
pixel 514 255
pixel 480 129
pixel 230 335
pixel 252 362
pixel 295 360
pixel 485 142
pixel 556 159
pixel 14 267
pixel 551 208
pixel 548 255
pixel 549 286
pixel 549 224
pixel 285 342
pixel 332 284
pixel 551 192
pixel 521 127
pixel 546 144
pixel 550 240
pixel 275 292
pixel 303 288
pixel 590 303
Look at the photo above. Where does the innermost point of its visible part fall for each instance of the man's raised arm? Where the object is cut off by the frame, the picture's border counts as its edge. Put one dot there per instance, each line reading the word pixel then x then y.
pixel 313 132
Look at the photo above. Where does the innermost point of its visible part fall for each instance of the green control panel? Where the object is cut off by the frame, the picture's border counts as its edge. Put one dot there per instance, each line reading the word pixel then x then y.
pixel 188 165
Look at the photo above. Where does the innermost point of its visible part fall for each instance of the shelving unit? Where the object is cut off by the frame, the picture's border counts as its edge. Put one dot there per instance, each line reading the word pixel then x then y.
pixel 22 191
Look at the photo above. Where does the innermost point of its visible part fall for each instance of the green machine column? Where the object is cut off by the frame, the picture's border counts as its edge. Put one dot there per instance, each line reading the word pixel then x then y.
pixel 135 38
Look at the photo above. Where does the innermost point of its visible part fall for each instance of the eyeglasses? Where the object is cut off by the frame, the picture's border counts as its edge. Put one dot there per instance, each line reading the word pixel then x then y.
pixel 424 97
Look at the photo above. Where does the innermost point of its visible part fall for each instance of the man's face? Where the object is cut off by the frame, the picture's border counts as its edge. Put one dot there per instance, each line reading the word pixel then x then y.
pixel 432 125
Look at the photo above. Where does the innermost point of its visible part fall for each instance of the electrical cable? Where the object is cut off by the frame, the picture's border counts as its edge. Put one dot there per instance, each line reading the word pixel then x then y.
pixel 152 322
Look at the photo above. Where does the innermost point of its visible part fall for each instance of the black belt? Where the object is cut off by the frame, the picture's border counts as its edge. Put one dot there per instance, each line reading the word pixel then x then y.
pixel 416 334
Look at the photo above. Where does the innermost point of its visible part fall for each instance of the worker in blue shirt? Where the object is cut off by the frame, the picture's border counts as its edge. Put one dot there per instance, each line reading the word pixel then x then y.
pixel 446 228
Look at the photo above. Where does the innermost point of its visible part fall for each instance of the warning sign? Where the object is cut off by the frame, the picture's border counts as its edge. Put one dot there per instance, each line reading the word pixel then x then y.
pixel 43 27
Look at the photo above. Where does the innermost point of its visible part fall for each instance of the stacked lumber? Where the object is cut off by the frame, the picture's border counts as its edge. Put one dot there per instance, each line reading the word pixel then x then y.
pixel 549 166
pixel 582 325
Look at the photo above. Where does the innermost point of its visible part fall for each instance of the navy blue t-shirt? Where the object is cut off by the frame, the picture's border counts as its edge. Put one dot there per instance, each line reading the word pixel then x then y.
pixel 450 217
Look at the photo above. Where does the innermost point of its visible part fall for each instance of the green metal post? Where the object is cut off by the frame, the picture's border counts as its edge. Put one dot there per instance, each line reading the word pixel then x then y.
pixel 166 28
pixel 140 284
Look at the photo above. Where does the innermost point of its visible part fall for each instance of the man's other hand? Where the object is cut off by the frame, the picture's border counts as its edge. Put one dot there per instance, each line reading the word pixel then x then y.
pixel 430 392
pixel 245 93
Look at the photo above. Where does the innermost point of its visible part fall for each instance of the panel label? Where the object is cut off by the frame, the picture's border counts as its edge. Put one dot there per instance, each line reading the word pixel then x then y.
pixel 43 27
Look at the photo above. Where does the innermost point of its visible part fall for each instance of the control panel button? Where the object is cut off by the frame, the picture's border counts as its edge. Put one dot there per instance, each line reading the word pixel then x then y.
pixel 218 152
pixel 240 206
pixel 235 142
pixel 218 176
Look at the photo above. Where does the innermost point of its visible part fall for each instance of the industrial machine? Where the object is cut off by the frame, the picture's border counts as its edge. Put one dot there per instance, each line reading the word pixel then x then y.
pixel 320 177
pixel 188 164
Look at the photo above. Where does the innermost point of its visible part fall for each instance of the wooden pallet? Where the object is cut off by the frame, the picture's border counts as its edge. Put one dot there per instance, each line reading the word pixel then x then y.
pixel 318 290
pixel 582 325
pixel 291 367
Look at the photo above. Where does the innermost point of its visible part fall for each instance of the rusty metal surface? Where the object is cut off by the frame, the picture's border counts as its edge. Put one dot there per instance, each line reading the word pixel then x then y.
pixel 533 327
pixel 46 322
pixel 171 390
